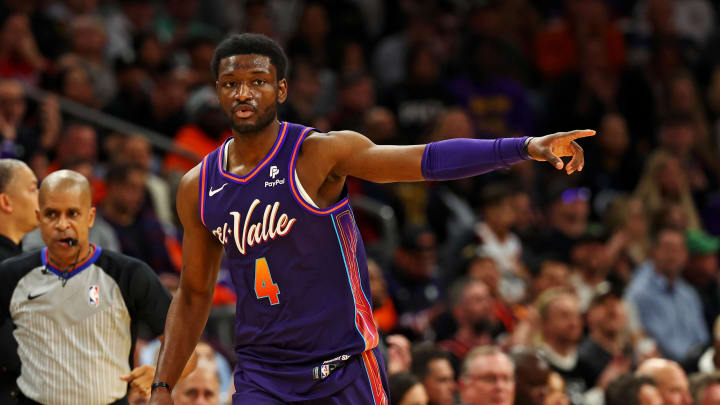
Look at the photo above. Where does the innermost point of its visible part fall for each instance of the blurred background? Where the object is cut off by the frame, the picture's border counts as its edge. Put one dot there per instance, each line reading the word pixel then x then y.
pixel 592 273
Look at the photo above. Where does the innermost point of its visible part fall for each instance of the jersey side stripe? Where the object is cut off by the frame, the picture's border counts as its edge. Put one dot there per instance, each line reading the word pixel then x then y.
pixel 348 239
pixel 373 372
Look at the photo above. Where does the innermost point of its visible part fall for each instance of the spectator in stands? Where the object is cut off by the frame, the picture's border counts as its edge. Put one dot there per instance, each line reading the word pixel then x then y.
pixel 137 149
pixel 78 143
pixel 702 271
pixel 125 208
pixel 356 96
pixel 302 104
pixel 663 181
pixel 604 352
pixel 405 389
pixel 17 139
pixel 414 283
pixel 87 49
pixel 422 98
pixel 498 105
pixel 561 325
pixel 670 379
pixel 487 377
pixel 472 309
pixel 19 54
pixel 626 219
pixel 589 257
pixel 615 159
pixel 670 310
pixel 535 382
pixel 632 390
pixel 203 134
pixel 551 274
pixel 709 361
pixel 705 388
pixel 167 100
pixel 384 311
pixel 568 214
pixel 495 239
pixel 432 366
pixel 399 356
pixel 199 387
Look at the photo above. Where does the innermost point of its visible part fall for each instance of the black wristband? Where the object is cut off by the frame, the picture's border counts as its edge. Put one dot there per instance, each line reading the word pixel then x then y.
pixel 160 384
pixel 526 146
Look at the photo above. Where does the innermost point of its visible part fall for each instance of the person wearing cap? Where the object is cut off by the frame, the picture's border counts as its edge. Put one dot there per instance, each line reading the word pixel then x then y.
pixel 702 271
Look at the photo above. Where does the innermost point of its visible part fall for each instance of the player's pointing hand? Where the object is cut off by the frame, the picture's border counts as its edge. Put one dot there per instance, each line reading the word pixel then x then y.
pixel 552 147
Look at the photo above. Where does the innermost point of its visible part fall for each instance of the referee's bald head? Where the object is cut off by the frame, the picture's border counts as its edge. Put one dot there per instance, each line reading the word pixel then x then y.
pixel 66 181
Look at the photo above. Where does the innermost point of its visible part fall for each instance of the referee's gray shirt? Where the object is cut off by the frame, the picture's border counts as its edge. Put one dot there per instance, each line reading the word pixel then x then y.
pixel 76 330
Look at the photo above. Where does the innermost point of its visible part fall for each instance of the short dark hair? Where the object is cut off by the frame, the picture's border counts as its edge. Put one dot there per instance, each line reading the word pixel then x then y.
pixel 248 43
pixel 422 355
pixel 625 390
pixel 400 384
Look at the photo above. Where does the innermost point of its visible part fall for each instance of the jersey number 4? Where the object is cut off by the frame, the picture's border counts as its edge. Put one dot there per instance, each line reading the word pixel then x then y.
pixel 264 286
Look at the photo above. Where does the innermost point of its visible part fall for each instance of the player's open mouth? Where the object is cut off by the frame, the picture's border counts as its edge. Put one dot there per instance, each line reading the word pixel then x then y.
pixel 244 111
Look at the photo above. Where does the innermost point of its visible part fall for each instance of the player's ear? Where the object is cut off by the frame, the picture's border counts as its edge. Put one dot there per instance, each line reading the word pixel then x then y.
pixel 282 91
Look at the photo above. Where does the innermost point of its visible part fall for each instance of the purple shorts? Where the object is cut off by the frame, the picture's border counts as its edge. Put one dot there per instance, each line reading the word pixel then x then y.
pixel 361 381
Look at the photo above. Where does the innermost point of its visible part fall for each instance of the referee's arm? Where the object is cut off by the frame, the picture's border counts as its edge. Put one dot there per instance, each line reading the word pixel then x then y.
pixel 190 308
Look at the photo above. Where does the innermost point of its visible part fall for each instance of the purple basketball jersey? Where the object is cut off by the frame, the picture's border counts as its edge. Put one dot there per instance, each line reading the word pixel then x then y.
pixel 300 274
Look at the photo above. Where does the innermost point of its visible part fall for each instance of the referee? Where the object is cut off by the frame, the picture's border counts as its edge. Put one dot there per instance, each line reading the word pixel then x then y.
pixel 76 307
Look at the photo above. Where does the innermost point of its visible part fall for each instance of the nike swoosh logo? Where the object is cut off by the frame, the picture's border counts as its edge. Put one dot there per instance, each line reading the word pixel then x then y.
pixel 213 192
pixel 32 297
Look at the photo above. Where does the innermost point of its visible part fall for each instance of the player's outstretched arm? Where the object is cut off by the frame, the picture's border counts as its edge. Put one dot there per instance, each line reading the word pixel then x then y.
pixel 350 153
pixel 190 307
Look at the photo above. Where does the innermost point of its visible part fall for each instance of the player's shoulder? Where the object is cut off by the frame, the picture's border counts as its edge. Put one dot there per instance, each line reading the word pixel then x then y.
pixel 189 183
pixel 331 139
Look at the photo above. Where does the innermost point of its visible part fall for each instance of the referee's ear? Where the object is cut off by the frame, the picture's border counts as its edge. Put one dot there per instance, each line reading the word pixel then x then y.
pixel 91 219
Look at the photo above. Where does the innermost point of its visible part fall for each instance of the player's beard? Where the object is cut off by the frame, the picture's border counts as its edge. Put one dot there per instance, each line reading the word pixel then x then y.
pixel 264 118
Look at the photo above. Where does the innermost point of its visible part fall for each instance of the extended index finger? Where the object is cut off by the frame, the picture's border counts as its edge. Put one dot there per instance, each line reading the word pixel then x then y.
pixel 578 133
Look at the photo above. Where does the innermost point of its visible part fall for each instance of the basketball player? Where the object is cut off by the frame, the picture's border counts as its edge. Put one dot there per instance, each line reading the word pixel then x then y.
pixel 273 197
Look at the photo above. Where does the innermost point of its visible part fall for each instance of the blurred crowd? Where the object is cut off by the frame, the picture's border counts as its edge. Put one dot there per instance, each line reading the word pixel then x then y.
pixel 522 286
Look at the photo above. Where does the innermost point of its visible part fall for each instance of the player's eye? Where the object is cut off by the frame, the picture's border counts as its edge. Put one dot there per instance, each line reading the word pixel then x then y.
pixel 259 82
pixel 229 84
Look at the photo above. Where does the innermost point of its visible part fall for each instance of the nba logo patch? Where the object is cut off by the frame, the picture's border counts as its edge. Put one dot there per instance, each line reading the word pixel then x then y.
pixel 94 296
pixel 324 371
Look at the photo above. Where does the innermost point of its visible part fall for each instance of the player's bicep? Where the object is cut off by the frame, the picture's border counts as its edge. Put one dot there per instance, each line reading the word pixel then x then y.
pixel 356 155
pixel 201 253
